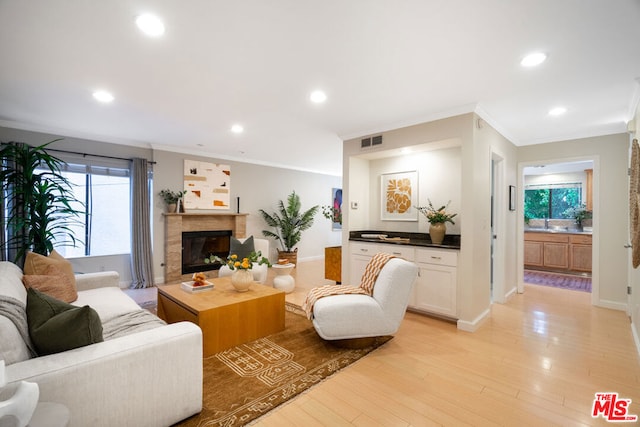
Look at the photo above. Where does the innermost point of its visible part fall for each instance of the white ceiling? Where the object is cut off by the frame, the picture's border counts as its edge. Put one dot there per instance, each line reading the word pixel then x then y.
pixel 383 64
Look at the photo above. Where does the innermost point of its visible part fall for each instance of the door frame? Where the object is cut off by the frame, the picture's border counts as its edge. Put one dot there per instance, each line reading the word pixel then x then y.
pixel 595 246
pixel 499 205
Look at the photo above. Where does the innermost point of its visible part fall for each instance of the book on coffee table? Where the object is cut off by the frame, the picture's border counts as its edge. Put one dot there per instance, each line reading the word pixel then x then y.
pixel 190 287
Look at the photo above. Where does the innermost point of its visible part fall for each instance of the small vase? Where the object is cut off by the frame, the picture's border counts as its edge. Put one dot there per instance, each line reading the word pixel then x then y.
pixel 242 280
pixel 437 231
pixel 172 207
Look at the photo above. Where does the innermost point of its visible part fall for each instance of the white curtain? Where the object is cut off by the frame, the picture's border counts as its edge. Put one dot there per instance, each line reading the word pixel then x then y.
pixel 141 251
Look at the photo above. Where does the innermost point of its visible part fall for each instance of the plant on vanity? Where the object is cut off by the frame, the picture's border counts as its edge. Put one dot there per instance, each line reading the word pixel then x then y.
pixel 436 216
pixel 437 220
pixel 578 213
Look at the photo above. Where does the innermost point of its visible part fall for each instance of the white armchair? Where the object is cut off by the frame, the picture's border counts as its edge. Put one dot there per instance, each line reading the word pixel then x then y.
pixel 259 271
pixel 339 317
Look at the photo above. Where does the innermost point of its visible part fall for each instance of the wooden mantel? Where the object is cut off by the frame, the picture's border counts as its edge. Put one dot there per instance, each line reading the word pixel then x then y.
pixel 176 223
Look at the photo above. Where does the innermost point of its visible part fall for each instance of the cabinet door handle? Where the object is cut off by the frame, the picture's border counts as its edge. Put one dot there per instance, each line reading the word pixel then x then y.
pixel 436 257
pixel 396 253
pixel 364 250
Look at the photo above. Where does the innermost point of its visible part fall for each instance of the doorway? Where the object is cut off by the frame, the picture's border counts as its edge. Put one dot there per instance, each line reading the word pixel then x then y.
pixel 558 212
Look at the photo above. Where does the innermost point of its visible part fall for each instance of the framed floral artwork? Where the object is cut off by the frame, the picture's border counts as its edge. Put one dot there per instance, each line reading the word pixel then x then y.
pixel 398 196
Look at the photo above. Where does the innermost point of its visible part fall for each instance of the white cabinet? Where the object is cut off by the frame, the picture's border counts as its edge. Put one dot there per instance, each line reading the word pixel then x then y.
pixel 435 290
pixel 361 254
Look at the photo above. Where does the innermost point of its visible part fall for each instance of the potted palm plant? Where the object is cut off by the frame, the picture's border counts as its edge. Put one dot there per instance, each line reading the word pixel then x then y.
pixel 289 223
pixel 40 205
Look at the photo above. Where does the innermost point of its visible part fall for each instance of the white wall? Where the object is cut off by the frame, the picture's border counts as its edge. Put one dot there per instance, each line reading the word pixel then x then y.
pixel 439 179
pixel 259 187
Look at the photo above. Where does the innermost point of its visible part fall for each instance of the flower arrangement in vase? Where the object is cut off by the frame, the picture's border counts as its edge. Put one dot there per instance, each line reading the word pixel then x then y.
pixel 242 277
pixel 437 220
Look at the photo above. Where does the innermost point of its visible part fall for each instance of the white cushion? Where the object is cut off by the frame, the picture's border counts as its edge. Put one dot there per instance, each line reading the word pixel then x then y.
pixel 12 347
pixel 357 316
pixel 109 302
pixel 11 281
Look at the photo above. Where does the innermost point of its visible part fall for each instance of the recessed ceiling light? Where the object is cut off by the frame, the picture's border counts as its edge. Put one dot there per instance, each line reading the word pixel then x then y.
pixel 237 128
pixel 533 59
pixel 151 25
pixel 103 96
pixel 318 96
pixel 558 111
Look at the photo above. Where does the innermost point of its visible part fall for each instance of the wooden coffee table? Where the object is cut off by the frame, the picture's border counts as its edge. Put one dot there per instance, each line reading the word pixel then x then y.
pixel 227 317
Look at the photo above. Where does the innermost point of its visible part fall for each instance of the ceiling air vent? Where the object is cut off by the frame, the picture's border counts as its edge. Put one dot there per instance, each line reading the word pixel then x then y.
pixel 371 141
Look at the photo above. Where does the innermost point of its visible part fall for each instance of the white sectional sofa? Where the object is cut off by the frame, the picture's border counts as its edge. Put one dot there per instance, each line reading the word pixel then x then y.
pixel 146 376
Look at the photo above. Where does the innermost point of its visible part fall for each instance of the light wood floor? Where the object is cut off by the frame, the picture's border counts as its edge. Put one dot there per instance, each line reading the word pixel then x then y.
pixel 538 361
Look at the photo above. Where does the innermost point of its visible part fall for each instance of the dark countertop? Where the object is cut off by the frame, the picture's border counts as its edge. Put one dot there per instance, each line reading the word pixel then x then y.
pixel 451 241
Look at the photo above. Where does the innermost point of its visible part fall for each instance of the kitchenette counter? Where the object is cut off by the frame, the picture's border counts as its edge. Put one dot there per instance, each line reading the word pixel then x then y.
pixel 451 241
pixel 558 230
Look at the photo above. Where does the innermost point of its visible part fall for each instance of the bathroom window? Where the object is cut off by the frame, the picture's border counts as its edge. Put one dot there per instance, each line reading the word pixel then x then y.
pixel 551 201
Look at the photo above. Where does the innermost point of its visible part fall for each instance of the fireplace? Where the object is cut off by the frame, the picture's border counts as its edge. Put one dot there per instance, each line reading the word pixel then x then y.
pixel 178 223
pixel 198 245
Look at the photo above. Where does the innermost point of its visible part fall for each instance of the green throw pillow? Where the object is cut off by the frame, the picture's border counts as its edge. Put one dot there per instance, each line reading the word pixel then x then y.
pixel 55 326
pixel 242 249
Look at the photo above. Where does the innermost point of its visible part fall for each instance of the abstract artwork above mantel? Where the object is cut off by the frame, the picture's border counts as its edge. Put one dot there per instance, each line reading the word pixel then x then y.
pixel 207 185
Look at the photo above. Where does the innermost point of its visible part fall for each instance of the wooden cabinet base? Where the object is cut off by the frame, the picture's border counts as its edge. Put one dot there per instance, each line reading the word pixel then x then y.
pixel 333 263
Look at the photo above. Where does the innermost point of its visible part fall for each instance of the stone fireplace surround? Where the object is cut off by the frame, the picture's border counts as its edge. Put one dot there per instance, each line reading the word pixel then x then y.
pixel 176 223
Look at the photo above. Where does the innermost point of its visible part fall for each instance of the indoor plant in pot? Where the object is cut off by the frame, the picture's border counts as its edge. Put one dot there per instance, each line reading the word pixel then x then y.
pixel 437 220
pixel 38 200
pixel 171 198
pixel 289 223
pixel 578 214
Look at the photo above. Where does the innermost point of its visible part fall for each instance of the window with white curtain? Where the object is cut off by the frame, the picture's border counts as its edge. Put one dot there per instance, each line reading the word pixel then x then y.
pixel 102 184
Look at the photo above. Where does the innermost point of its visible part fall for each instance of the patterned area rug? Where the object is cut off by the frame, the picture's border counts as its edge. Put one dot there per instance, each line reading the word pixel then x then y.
pixel 247 381
pixel 556 280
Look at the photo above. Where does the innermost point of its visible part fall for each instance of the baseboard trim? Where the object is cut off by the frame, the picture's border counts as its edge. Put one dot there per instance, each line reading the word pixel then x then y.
pixel 510 294
pixel 614 305
pixel 473 326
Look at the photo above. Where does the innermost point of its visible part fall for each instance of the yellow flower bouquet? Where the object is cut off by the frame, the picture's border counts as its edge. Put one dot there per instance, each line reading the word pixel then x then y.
pixel 235 263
